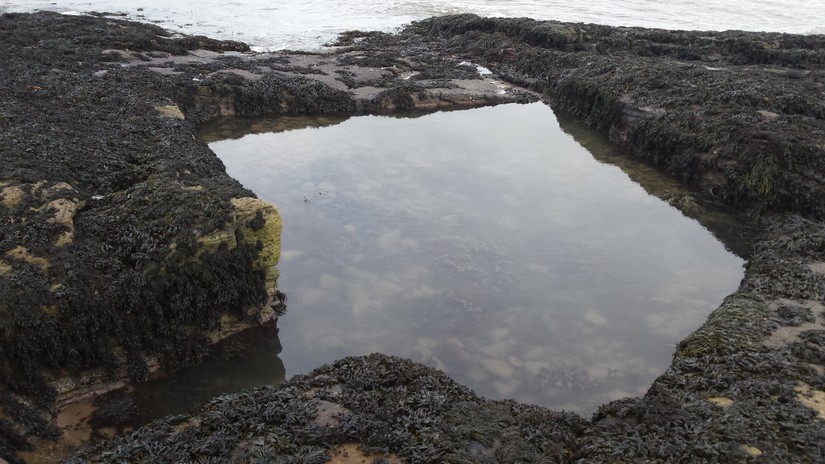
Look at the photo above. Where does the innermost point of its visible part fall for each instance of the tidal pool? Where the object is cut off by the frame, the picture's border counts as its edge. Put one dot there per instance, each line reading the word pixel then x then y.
pixel 488 243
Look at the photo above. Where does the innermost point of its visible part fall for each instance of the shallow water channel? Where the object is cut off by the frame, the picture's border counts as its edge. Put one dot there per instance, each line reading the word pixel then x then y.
pixel 488 243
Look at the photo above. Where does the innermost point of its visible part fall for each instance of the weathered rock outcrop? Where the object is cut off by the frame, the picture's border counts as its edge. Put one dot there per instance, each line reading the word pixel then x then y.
pixel 737 114
pixel 122 241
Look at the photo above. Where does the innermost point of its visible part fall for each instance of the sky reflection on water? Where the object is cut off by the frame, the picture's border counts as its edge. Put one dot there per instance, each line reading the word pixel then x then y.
pixel 487 243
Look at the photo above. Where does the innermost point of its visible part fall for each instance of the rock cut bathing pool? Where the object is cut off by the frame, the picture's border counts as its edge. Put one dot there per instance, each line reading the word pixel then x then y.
pixel 487 243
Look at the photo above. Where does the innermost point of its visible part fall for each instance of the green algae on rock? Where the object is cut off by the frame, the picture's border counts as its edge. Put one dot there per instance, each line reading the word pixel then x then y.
pixel 254 222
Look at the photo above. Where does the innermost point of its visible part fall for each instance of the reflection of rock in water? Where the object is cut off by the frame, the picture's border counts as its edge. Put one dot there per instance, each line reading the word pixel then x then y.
pixel 249 359
pixel 114 409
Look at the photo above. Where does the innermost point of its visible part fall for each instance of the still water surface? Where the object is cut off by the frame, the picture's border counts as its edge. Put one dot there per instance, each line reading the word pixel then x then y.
pixel 487 243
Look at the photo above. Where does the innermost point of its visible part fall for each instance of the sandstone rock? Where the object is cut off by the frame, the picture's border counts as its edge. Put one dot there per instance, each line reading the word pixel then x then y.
pixel 11 196
pixel 170 111
pixel 20 253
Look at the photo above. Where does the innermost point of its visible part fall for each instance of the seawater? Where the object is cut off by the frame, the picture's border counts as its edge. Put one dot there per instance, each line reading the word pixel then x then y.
pixel 304 24
pixel 487 243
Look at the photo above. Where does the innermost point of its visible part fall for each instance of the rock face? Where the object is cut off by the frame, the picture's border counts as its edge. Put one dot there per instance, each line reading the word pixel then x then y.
pixel 256 223
pixel 122 238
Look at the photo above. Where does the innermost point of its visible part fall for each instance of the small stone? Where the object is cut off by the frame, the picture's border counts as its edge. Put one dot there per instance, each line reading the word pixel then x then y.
pixel 752 451
pixel 767 116
pixel 11 196
pixel 721 401
pixel 170 111
pixel 817 268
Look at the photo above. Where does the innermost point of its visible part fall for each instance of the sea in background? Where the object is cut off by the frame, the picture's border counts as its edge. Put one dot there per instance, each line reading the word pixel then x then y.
pixel 309 24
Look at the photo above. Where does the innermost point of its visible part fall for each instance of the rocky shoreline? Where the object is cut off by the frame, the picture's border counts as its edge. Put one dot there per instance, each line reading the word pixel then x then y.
pixel 125 240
